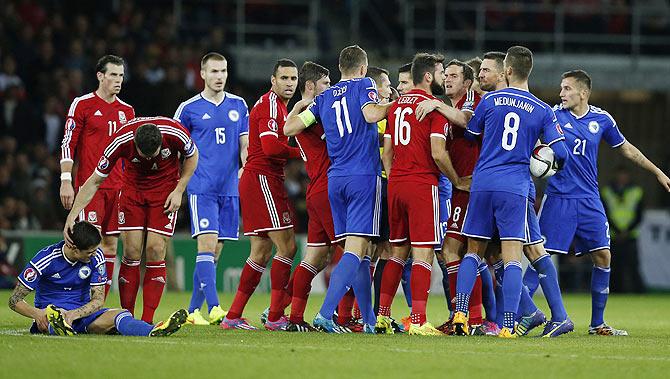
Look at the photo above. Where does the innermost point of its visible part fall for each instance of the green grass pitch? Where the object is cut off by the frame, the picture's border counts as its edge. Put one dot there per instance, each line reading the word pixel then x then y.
pixel 208 352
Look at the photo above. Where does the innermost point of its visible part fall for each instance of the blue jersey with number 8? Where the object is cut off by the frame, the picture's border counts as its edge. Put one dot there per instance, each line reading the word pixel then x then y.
pixel 511 121
pixel 353 143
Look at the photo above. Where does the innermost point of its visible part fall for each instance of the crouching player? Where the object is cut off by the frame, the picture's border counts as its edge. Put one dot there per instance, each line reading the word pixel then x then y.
pixel 69 284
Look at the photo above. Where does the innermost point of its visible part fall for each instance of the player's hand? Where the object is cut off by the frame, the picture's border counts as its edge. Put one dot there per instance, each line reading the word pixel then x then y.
pixel 66 194
pixel 394 94
pixel 303 104
pixel 41 320
pixel 67 229
pixel 173 201
pixel 69 317
pixel 464 183
pixel 664 180
pixel 240 172
pixel 426 107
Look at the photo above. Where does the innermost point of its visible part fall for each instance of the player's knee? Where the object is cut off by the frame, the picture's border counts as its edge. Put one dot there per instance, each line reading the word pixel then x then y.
pixel 155 252
pixel 133 252
pixel 602 258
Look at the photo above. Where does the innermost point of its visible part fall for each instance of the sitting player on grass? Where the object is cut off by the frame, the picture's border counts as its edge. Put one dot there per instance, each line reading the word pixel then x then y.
pixel 68 281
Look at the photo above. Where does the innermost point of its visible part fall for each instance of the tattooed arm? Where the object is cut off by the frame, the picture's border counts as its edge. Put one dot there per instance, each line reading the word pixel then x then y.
pixel 19 305
pixel 634 154
pixel 97 300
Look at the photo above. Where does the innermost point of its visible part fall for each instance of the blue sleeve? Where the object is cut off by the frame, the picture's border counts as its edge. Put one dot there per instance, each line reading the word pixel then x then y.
pixel 244 120
pixel 35 268
pixel 611 133
pixel 367 92
pixel 476 123
pixel 561 152
pixel 316 105
pixel 551 130
pixel 181 115
pixel 98 269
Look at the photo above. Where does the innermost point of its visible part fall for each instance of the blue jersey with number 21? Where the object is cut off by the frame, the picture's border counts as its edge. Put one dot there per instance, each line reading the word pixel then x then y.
pixel 514 120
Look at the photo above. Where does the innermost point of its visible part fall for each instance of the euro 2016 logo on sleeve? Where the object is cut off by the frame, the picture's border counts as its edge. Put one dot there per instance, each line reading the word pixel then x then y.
pixel 103 163
pixel 84 272
pixel 373 96
pixel 70 124
pixel 594 127
pixel 122 218
pixel 234 115
pixel 30 274
pixel 272 125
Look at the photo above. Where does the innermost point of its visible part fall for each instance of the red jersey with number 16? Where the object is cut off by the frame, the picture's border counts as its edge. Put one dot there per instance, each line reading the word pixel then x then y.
pixel 157 174
pixel 90 124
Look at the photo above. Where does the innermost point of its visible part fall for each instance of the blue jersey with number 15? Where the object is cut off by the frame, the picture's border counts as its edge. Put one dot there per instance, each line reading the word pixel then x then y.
pixel 511 120
pixel 353 143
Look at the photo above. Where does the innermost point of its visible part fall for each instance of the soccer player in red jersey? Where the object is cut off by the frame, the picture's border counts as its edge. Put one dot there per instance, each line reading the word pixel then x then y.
pixel 418 151
pixel 150 196
pixel 91 121
pixel 266 216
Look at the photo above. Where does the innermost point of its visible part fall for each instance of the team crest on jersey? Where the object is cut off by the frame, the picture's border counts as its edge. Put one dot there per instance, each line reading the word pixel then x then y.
pixel 122 118
pixel 165 153
pixel 92 216
pixel 234 115
pixel 594 127
pixel 204 223
pixel 272 125
pixel 103 163
pixel 84 272
pixel 122 218
pixel 30 274
pixel 70 124
pixel 286 216
pixel 373 96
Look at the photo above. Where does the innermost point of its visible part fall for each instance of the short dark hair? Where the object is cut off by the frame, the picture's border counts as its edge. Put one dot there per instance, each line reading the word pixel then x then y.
pixel 85 235
pixel 520 58
pixel 468 73
pixel 423 63
pixel 407 67
pixel 375 73
pixel 352 57
pixel 284 62
pixel 497 56
pixel 101 66
pixel 310 72
pixel 211 56
pixel 475 63
pixel 580 76
pixel 148 138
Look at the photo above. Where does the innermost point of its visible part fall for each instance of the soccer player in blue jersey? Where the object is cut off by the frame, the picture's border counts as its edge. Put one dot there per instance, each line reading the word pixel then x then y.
pixel 69 284
pixel 349 111
pixel 219 125
pixel 571 208
pixel 511 120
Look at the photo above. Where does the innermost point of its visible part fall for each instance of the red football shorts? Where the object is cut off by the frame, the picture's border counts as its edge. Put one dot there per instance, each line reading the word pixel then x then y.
pixel 139 210
pixel 320 229
pixel 459 208
pixel 414 213
pixel 103 211
pixel 264 204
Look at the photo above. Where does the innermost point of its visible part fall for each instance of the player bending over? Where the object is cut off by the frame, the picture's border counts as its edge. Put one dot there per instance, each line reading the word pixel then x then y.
pixel 68 280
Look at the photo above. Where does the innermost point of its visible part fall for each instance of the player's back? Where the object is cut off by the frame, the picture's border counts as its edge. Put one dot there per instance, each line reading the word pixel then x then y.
pixel 313 150
pixel 511 121
pixel 578 178
pixel 59 281
pixel 215 129
pixel 411 139
pixel 267 118
pixel 352 142
pixel 91 122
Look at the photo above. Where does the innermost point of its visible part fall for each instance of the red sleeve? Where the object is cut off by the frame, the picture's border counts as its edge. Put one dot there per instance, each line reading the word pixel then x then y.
pixel 273 148
pixel 74 123
pixel 109 157
pixel 439 125
pixel 183 140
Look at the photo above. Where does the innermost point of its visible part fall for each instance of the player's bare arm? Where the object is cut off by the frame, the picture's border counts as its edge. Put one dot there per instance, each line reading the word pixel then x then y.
pixel 96 303
pixel 244 153
pixel 455 116
pixel 173 201
pixel 66 188
pixel 84 197
pixel 375 112
pixel 634 154
pixel 443 160
pixel 299 118
pixel 20 306
pixel 387 155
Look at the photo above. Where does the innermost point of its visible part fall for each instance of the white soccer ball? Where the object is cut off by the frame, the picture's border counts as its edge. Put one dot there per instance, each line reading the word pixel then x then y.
pixel 542 162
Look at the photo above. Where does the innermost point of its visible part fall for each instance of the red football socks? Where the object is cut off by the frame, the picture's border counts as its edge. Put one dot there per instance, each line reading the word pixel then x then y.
pixel 251 276
pixel 155 278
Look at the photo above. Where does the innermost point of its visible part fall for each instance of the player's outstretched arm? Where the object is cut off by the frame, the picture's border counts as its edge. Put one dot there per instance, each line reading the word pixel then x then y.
pixel 387 155
pixel 375 112
pixel 84 197
pixel 96 303
pixel 455 116
pixel 443 160
pixel 634 154
pixel 19 305
pixel 173 201
pixel 299 118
